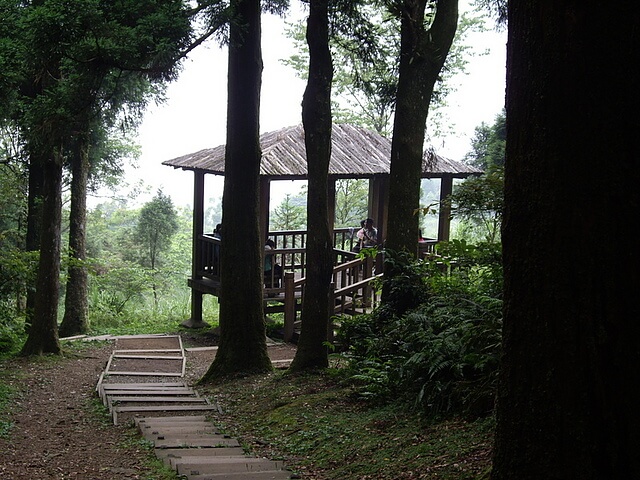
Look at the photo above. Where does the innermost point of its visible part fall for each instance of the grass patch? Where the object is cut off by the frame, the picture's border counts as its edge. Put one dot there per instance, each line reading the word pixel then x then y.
pixel 160 471
pixel 315 422
pixel 6 393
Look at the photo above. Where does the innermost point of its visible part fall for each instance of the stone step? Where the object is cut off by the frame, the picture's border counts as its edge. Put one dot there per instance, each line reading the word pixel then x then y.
pixel 158 399
pixel 195 428
pixel 134 409
pixel 188 437
pixel 146 421
pixel 154 391
pixel 184 442
pixel 274 475
pixel 166 454
pixel 143 386
pixel 164 408
pixel 225 465
pixel 161 434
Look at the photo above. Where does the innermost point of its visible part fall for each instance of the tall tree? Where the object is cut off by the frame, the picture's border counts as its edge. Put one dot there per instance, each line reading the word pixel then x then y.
pixel 75 320
pixel 290 214
pixel 366 39
pixel 243 344
pixel 93 148
pixel 157 224
pixel 351 202
pixel 64 69
pixel 569 385
pixel 316 118
pixel 43 333
pixel 425 41
pixel 488 144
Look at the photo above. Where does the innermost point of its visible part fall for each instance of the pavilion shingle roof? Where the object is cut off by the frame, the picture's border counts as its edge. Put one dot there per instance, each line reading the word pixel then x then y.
pixel 355 153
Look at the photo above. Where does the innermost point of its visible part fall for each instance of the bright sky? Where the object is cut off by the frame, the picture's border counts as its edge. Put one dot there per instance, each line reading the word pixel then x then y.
pixel 194 116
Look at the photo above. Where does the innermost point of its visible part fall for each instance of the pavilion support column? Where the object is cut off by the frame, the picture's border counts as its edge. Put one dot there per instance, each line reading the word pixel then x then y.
pixel 444 219
pixel 331 199
pixel 196 320
pixel 265 195
pixel 378 193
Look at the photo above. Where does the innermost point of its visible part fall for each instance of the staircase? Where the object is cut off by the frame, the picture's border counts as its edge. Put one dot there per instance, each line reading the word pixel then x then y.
pixel 143 383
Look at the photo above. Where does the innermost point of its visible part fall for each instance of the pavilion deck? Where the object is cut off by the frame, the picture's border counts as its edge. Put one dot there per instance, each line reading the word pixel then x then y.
pixel 351 283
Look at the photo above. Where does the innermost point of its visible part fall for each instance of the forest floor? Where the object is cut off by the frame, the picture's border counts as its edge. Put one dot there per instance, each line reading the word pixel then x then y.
pixel 53 426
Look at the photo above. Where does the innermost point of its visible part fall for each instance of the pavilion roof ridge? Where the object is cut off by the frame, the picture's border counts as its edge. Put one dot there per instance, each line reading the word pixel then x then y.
pixel 356 153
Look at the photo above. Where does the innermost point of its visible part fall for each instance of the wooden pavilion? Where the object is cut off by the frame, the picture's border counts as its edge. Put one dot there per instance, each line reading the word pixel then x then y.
pixel 357 153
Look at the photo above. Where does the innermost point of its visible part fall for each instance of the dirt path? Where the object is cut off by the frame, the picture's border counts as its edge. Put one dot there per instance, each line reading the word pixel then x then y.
pixel 57 433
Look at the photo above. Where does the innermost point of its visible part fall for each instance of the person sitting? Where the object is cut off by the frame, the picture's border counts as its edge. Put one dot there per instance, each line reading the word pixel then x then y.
pixel 272 270
pixel 368 235
pixel 217 234
pixel 358 245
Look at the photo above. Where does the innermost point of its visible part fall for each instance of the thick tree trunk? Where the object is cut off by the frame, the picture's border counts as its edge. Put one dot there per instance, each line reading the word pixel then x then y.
pixel 243 347
pixel 569 384
pixel 422 56
pixel 316 116
pixel 43 334
pixel 34 222
pixel 75 320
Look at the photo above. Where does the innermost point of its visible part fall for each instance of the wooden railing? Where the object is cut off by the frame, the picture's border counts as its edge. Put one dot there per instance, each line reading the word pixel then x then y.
pixel 284 286
pixel 289 254
pixel 208 265
pixel 351 288
pixel 343 238
pixel 290 251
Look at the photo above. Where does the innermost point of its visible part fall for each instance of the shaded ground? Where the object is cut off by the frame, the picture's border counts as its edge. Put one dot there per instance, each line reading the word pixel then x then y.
pixel 59 428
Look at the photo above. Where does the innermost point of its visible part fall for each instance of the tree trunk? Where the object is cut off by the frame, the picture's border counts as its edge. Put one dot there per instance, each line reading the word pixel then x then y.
pixel 243 347
pixel 569 385
pixel 75 320
pixel 422 55
pixel 43 334
pixel 34 222
pixel 316 116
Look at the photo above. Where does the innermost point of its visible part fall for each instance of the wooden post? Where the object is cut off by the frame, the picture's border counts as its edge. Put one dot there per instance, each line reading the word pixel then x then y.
pixel 331 203
pixel 196 251
pixel 444 218
pixel 378 194
pixel 332 311
pixel 289 306
pixel 265 194
pixel 366 291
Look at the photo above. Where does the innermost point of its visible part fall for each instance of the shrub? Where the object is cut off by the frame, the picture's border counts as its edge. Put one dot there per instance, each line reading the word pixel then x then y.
pixel 442 354
pixel 10 330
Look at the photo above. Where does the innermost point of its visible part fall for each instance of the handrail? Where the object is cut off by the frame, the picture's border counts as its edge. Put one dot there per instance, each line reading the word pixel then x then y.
pixel 356 286
pixel 361 267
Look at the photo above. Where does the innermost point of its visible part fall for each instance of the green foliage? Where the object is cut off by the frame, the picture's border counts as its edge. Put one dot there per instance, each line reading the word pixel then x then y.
pixel 436 342
pixel 316 423
pixel 117 284
pixel 479 201
pixel 6 392
pixel 365 46
pixel 11 331
pixel 290 214
pixel 156 225
pixel 121 290
pixel 488 144
pixel 351 202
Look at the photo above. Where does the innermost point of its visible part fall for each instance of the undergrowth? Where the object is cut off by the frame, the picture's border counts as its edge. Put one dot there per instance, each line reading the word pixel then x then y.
pixel 435 342
pixel 6 393
pixel 319 427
